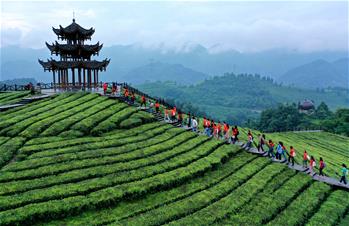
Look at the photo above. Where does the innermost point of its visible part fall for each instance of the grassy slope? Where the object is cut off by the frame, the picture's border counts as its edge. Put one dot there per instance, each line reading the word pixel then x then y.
pixel 149 173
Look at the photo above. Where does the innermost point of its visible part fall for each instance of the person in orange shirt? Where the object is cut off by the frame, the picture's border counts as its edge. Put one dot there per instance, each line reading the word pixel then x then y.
pixel 167 118
pixel 292 155
pixel 312 164
pixel 157 107
pixel 126 94
pixel 226 131
pixel 143 101
pixel 173 113
pixel 305 159
pixel 105 87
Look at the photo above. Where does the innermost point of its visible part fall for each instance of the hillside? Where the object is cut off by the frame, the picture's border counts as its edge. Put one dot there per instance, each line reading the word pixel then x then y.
pixel 318 74
pixel 157 71
pixel 237 98
pixel 84 159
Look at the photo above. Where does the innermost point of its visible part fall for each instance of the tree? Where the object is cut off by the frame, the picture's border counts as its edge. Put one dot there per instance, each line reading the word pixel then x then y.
pixel 322 111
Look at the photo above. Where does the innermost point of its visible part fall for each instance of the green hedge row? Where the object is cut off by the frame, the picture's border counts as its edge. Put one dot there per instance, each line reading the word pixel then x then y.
pixel 35 109
pixel 85 186
pixel 9 148
pixel 114 148
pixel 89 123
pixel 191 206
pixel 18 127
pixel 99 171
pixel 113 121
pixel 198 164
pixel 254 212
pixel 36 128
pixel 97 105
pixel 152 201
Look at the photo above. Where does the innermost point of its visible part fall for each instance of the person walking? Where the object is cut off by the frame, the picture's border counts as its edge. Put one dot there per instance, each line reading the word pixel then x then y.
pixel 312 164
pixel 235 134
pixel 261 142
pixel 208 127
pixel 173 113
pixel 344 172
pixel 167 118
pixel 281 151
pixel 113 89
pixel 249 139
pixel 133 97
pixel 305 159
pixel 180 117
pixel 189 122
pixel 143 101
pixel 292 155
pixel 322 165
pixel 271 149
pixel 105 87
pixel 157 107
pixel 194 124
pixel 219 130
pixel 226 130
pixel 126 94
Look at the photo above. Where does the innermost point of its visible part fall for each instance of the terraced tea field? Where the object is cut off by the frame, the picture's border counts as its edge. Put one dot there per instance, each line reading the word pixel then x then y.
pixel 12 97
pixel 83 159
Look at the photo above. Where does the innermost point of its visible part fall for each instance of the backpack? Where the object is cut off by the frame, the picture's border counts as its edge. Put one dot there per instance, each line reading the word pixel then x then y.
pixel 323 165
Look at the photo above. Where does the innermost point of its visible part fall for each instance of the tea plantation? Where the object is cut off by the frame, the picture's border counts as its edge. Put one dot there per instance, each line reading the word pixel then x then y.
pixel 84 159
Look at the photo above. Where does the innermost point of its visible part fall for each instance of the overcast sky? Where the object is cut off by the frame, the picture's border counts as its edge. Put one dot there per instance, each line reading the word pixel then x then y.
pixel 243 26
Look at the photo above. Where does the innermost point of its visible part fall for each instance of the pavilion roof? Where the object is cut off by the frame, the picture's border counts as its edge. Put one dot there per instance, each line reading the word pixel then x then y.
pixel 73 32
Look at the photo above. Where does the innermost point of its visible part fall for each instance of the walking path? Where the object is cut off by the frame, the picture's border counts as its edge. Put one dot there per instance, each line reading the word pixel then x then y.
pixel 252 150
pixel 25 101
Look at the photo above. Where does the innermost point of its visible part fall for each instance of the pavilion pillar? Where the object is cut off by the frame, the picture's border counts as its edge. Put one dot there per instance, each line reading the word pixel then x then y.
pixel 54 78
pixel 66 77
pixel 63 78
pixel 89 78
pixel 97 76
pixel 79 76
pixel 84 77
pixel 59 77
pixel 94 78
pixel 73 76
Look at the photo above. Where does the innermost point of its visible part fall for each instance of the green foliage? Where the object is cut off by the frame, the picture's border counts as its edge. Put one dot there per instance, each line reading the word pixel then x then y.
pixel 238 98
pixel 136 171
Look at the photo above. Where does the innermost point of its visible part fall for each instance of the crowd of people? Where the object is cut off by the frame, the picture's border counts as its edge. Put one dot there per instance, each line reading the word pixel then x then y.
pixel 218 130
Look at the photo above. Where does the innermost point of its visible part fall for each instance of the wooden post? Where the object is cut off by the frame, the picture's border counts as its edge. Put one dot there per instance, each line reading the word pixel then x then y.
pixel 79 74
pixel 97 76
pixel 89 78
pixel 73 76
pixel 54 79
pixel 59 78
pixel 84 77
pixel 94 78
pixel 66 76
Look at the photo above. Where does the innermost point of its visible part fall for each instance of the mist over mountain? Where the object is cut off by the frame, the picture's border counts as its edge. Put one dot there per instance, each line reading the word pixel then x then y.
pixel 158 71
pixel 19 62
pixel 319 74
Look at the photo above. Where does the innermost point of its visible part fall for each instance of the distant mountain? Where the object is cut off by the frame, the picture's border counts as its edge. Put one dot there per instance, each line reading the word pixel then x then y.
pixel 19 62
pixel 19 81
pixel 318 74
pixel 164 72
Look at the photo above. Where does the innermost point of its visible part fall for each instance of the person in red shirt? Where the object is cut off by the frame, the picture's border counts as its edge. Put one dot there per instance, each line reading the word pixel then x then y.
pixel 291 155
pixel 105 87
pixel 219 130
pixel 167 118
pixel 173 113
pixel 271 149
pixel 321 167
pixel 143 101
pixel 126 94
pixel 226 130
pixel 205 124
pixel 157 107
pixel 305 159
pixel 312 164
pixel 133 97
pixel 180 117
pixel 235 134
